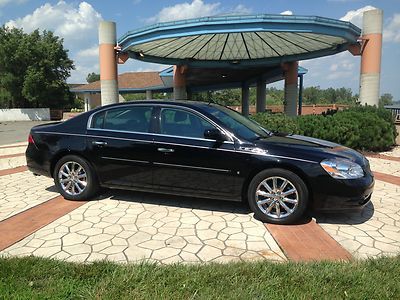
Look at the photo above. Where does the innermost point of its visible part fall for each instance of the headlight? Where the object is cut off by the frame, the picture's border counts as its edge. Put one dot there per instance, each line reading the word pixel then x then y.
pixel 342 168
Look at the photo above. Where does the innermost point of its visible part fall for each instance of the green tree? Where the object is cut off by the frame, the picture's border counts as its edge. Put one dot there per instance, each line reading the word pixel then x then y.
pixel 386 99
pixel 33 69
pixel 92 77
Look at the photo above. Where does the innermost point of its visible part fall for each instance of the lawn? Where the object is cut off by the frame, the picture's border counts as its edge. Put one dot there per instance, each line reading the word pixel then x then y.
pixel 36 278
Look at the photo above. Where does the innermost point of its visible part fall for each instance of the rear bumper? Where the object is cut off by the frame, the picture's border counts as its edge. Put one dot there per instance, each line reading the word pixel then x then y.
pixel 36 161
pixel 347 195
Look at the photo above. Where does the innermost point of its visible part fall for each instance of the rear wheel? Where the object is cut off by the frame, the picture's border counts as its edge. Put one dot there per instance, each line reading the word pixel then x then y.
pixel 278 196
pixel 75 179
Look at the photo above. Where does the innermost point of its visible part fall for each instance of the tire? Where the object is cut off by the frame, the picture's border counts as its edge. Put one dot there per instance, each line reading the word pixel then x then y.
pixel 80 172
pixel 294 196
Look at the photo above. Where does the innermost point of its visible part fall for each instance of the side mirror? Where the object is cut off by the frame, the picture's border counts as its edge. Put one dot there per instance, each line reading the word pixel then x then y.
pixel 214 134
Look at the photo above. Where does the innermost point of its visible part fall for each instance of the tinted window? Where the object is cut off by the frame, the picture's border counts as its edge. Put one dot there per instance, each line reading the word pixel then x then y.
pixel 237 123
pixel 134 118
pixel 182 123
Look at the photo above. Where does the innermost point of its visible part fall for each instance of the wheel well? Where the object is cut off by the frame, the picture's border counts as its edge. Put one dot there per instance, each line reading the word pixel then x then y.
pixel 60 155
pixel 293 169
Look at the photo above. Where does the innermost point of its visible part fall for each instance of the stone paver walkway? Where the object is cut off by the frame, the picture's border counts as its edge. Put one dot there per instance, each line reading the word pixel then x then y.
pixel 134 227
pixel 21 191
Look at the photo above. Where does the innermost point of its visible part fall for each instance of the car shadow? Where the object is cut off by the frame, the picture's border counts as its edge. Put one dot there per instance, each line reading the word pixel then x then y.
pixel 176 201
pixel 346 218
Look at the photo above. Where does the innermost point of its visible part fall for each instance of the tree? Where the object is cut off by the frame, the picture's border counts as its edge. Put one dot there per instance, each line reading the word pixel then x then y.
pixel 33 69
pixel 92 77
pixel 386 99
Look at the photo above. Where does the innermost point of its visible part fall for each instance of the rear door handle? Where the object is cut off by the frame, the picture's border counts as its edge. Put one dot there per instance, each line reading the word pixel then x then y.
pixel 166 150
pixel 99 143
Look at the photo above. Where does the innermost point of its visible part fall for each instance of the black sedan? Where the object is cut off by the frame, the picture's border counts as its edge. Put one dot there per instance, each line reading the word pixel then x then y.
pixel 199 150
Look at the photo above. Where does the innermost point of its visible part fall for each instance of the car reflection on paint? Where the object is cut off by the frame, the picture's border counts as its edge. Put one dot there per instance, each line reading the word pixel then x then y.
pixel 201 150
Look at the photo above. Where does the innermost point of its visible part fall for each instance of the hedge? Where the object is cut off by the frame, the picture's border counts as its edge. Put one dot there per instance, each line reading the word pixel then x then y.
pixel 363 128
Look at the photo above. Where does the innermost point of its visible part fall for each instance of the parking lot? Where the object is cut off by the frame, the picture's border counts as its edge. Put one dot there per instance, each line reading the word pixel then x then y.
pixel 130 226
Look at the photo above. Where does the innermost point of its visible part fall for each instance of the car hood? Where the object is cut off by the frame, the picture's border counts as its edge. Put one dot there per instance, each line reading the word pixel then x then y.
pixel 304 147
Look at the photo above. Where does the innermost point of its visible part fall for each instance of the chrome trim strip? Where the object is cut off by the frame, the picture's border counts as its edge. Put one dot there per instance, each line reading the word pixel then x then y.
pixel 191 167
pixel 175 144
pixel 159 134
pixel 127 160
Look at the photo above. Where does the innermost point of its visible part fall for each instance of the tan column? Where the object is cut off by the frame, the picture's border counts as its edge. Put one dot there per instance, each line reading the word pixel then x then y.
pixel 108 62
pixel 180 83
pixel 291 89
pixel 371 57
pixel 149 94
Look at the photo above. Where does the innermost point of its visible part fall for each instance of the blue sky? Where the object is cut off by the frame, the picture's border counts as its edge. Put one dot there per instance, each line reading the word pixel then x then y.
pixel 77 21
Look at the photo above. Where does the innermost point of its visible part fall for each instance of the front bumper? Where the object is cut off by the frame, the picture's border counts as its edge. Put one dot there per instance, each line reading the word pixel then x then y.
pixel 339 195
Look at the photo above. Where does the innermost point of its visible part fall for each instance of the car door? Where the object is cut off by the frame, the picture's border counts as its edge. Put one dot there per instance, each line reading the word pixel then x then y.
pixel 120 145
pixel 187 163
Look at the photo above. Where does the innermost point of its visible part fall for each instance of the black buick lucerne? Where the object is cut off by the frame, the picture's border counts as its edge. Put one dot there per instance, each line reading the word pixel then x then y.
pixel 198 150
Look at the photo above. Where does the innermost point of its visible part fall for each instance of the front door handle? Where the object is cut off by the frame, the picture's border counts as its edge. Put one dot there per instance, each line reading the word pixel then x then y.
pixel 166 150
pixel 99 143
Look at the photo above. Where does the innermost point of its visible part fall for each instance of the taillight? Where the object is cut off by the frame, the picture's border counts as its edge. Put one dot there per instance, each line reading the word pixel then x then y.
pixel 30 139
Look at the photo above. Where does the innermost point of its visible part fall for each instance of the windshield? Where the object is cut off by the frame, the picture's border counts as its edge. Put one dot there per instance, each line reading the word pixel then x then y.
pixel 238 124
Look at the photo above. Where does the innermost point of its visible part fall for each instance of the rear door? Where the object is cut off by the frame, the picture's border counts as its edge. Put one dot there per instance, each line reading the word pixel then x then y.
pixel 185 162
pixel 120 144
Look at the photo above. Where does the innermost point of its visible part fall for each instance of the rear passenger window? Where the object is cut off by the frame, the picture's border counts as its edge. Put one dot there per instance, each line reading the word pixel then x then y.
pixel 135 119
pixel 182 123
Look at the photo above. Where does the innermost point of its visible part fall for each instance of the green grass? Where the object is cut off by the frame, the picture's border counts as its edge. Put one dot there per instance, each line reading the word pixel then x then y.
pixel 36 278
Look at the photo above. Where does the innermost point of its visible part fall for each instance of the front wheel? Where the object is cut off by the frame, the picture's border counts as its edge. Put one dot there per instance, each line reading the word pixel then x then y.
pixel 278 196
pixel 75 179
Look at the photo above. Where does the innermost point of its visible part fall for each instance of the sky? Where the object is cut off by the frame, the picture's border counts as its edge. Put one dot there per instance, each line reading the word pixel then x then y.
pixel 77 22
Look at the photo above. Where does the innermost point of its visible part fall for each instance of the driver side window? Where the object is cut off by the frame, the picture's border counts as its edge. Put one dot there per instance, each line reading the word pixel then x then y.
pixel 182 123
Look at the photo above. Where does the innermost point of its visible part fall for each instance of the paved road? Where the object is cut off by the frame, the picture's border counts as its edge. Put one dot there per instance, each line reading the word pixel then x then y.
pixel 16 132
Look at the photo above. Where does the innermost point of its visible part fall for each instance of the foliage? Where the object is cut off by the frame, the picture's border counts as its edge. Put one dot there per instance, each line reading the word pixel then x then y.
pixel 142 96
pixel 39 278
pixel 386 99
pixel 92 77
pixel 363 128
pixel 33 69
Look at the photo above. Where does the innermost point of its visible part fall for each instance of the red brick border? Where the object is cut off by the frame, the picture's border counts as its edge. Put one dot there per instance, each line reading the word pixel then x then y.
pixel 13 146
pixel 307 242
pixel 385 157
pixel 13 170
pixel 12 155
pixel 23 224
pixel 387 178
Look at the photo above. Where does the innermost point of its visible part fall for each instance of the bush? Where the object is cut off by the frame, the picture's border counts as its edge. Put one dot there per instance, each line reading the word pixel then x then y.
pixel 276 122
pixel 362 128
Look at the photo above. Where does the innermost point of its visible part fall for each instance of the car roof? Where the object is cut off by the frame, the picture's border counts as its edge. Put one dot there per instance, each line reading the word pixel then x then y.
pixel 184 103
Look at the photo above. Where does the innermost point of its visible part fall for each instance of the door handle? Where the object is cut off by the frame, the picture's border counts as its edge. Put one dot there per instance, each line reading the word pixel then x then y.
pixel 99 143
pixel 165 150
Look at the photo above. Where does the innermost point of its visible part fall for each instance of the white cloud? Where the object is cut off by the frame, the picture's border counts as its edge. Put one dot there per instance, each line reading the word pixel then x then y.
pixel 391 32
pixel 195 9
pixel 355 16
pixel 287 13
pixel 89 52
pixel 76 23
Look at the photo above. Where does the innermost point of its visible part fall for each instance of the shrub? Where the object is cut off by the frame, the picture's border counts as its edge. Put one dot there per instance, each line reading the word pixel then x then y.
pixel 276 122
pixel 362 128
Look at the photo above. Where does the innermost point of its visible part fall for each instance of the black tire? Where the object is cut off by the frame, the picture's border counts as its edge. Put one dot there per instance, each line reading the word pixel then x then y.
pixel 294 181
pixel 92 184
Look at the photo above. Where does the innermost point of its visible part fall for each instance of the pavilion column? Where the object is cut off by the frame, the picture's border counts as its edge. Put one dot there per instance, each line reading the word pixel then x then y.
pixel 371 57
pixel 149 94
pixel 245 100
pixel 180 83
pixel 261 102
pixel 291 89
pixel 108 62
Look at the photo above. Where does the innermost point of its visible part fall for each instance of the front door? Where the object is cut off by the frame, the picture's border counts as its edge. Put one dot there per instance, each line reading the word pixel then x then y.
pixel 185 162
pixel 120 145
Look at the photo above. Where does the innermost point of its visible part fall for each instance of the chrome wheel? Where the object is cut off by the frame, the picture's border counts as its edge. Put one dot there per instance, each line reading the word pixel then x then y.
pixel 277 197
pixel 72 178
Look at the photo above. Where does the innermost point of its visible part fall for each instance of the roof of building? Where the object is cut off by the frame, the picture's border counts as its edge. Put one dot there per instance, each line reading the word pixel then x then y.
pixel 130 81
pixel 239 41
